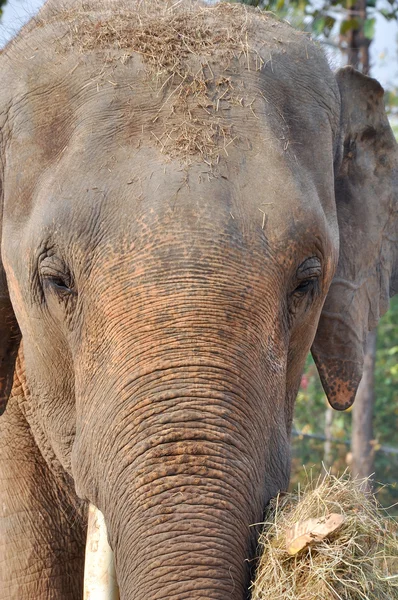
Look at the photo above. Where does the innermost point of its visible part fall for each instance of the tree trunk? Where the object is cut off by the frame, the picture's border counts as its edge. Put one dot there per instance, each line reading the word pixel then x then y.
pixel 358 44
pixel 362 417
pixel 362 449
pixel 327 447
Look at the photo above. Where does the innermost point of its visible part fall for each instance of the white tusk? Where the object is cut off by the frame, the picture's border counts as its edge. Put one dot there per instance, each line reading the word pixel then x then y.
pixel 99 568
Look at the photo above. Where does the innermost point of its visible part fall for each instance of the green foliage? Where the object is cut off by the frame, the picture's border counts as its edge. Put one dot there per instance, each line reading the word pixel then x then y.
pixel 321 17
pixel 386 375
pixel 2 3
pixel 369 28
pixel 391 102
pixel 311 409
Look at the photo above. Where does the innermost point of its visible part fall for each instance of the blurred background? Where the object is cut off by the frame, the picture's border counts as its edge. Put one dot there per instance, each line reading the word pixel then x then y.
pixel 364 439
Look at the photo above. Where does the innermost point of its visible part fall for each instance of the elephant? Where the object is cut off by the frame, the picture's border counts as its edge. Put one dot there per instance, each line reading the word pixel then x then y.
pixel 191 202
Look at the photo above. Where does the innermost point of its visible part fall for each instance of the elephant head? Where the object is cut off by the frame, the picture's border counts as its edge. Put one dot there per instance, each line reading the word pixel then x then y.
pixel 173 213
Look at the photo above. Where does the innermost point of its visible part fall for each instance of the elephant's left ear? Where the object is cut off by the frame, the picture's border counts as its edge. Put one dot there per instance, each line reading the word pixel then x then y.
pixel 10 335
pixel 10 338
pixel 366 189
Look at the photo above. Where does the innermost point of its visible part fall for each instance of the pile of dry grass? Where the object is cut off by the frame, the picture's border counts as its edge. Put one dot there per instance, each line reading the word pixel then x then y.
pixel 167 34
pixel 357 560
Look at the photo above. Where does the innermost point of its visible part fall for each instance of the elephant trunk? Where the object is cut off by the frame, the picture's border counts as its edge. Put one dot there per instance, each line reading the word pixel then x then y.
pixel 186 532
pixel 182 481
pixel 181 440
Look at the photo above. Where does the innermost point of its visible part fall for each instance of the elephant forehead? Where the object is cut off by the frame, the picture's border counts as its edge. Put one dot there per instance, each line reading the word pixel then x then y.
pixel 104 154
pixel 103 129
pixel 188 76
pixel 124 108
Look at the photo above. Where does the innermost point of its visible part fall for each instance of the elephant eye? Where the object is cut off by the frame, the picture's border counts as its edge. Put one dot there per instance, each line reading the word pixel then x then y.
pixel 55 276
pixel 305 286
pixel 307 276
pixel 59 284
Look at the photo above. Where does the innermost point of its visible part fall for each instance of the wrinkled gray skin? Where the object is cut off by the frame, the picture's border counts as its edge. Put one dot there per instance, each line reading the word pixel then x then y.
pixel 166 307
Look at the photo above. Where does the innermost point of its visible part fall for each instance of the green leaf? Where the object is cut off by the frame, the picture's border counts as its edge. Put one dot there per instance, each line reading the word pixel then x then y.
pixel 329 23
pixel 318 25
pixel 369 28
pixel 348 25
pixel 387 14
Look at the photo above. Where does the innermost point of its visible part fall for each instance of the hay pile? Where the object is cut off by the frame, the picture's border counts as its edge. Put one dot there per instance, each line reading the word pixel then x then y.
pixel 168 33
pixel 356 560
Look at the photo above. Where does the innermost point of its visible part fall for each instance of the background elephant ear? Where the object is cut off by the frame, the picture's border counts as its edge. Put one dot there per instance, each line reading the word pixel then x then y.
pixel 366 189
pixel 10 336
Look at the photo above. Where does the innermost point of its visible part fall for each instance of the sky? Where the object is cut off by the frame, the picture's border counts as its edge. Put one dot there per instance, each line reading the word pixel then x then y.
pixel 384 49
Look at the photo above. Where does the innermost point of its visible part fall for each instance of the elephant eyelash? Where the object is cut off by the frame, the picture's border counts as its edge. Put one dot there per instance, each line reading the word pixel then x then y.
pixel 306 286
pixel 308 275
pixel 60 283
pixel 54 274
pixel 303 295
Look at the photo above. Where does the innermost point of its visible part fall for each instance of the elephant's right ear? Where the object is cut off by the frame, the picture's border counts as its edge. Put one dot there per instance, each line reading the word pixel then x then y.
pixel 366 189
pixel 10 335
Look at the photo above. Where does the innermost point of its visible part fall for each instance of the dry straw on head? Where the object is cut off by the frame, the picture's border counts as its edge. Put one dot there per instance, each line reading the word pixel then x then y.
pixel 356 560
pixel 186 48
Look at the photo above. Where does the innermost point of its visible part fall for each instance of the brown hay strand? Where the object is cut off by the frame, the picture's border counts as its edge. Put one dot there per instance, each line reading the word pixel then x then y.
pixel 359 561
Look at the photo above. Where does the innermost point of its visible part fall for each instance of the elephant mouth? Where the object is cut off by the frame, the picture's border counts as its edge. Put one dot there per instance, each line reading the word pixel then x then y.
pixel 99 568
